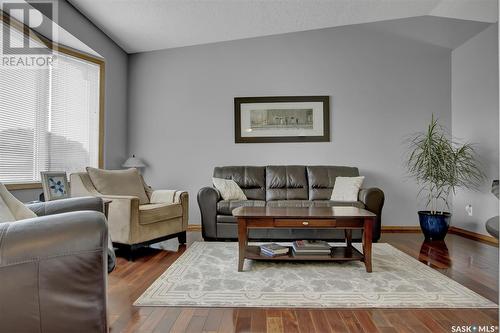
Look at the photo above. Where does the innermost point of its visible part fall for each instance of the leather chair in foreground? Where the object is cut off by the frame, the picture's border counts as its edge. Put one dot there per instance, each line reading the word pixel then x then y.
pixel 53 268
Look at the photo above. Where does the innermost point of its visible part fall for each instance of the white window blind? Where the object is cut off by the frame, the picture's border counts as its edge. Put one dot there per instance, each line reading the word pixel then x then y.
pixel 49 118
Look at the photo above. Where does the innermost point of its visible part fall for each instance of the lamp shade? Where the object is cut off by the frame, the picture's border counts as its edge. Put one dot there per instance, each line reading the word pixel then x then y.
pixel 133 162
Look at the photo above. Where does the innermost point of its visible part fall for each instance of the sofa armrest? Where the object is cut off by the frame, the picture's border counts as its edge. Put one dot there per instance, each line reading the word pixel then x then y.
pixel 67 205
pixel 53 273
pixel 207 201
pixel 373 199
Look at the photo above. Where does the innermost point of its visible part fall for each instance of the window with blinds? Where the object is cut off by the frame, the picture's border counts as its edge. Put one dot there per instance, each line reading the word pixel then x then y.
pixel 49 118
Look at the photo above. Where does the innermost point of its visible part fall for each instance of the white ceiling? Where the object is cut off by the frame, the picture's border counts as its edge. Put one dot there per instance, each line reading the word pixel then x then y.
pixel 440 31
pixel 146 25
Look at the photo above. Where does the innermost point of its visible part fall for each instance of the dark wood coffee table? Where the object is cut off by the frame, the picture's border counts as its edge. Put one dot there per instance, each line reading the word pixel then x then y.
pixel 346 218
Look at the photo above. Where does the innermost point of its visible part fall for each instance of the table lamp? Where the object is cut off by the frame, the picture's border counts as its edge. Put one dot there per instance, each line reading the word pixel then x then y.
pixel 134 162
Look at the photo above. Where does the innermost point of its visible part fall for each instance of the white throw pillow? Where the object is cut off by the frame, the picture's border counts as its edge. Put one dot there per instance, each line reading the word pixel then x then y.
pixel 5 213
pixel 347 188
pixel 12 209
pixel 229 189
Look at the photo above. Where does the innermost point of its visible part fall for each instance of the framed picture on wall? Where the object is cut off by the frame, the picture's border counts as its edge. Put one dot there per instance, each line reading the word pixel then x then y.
pixel 55 185
pixel 282 119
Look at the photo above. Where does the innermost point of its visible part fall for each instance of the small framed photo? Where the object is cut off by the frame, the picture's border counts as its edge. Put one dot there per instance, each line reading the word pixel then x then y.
pixel 55 185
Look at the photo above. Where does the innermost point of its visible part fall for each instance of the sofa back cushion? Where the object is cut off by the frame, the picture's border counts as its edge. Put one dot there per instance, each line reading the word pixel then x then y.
pixel 321 179
pixel 286 182
pixel 119 182
pixel 251 179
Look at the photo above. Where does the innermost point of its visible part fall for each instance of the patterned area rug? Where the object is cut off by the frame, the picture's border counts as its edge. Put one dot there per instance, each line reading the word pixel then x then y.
pixel 206 276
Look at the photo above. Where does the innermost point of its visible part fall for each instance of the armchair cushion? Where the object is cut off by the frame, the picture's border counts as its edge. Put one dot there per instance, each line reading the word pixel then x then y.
pixel 12 209
pixel 119 182
pixel 152 213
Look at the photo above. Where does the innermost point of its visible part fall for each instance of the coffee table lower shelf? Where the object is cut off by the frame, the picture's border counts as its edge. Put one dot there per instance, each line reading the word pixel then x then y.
pixel 339 253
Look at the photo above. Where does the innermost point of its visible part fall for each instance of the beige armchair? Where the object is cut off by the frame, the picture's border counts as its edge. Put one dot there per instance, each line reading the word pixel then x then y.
pixel 137 215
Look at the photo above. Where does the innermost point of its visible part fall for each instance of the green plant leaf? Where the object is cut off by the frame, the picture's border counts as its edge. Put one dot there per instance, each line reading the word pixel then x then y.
pixel 440 165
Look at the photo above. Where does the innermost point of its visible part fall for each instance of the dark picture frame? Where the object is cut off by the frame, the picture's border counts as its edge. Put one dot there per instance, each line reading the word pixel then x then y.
pixel 323 137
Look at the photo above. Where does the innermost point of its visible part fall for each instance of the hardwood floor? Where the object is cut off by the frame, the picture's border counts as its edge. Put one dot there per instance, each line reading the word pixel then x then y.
pixel 471 263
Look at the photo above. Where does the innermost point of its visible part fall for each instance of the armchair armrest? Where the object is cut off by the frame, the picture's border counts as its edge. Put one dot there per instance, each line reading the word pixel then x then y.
pixel 73 205
pixel 173 196
pixel 67 205
pixel 53 273
pixel 207 201
pixel 123 215
pixel 166 196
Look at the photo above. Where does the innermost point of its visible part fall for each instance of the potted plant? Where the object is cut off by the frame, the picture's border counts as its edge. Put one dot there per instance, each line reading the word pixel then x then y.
pixel 440 165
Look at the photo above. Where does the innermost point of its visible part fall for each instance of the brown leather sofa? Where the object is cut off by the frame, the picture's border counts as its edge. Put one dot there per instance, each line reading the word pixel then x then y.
pixel 282 186
pixel 53 269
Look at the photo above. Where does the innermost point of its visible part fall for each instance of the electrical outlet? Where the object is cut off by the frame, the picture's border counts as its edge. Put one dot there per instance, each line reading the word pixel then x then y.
pixel 468 209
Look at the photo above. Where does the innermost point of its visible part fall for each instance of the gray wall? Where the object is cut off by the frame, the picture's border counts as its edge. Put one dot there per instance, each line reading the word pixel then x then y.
pixel 475 119
pixel 382 88
pixel 115 89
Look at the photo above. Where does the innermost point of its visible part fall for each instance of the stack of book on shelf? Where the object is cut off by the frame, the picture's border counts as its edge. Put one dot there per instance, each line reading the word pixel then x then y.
pixel 310 247
pixel 273 250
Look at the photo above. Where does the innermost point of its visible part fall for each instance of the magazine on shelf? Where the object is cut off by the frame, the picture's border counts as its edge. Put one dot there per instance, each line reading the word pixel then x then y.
pixel 273 249
pixel 310 253
pixel 311 247
pixel 272 254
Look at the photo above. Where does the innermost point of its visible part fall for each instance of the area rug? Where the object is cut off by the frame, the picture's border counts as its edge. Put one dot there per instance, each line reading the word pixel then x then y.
pixel 206 276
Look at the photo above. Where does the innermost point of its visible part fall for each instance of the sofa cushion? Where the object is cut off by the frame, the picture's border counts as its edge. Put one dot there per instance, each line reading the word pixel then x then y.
pixel 251 179
pixel 226 219
pixel 286 182
pixel 308 203
pixel 330 203
pixel 226 207
pixel 321 179
pixel 289 203
pixel 152 213
pixel 119 182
